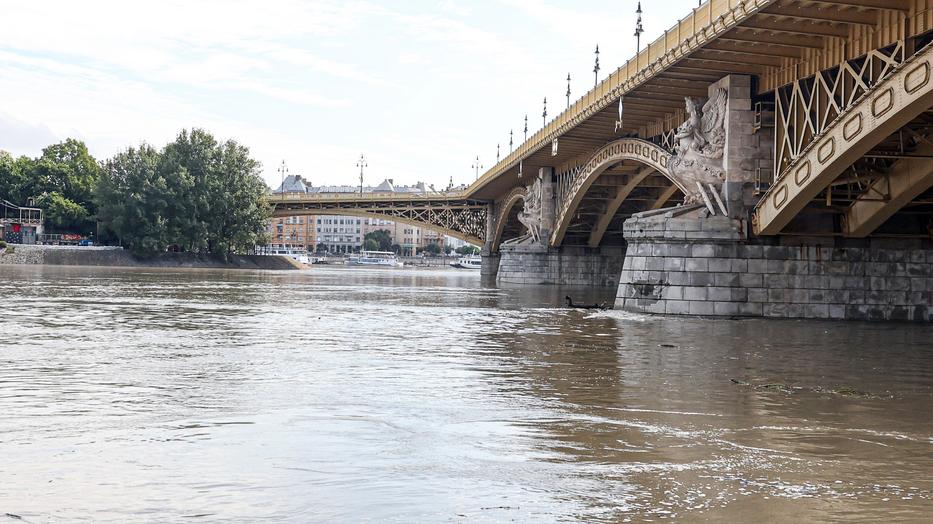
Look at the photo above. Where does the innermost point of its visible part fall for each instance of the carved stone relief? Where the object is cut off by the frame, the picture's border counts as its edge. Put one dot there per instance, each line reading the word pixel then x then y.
pixel 699 145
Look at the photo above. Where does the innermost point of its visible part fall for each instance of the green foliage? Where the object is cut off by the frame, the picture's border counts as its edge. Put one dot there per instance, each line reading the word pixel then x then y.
pixel 17 184
pixel 395 248
pixel 10 250
pixel 63 214
pixel 2 244
pixel 371 245
pixel 447 249
pixel 321 247
pixel 61 182
pixel 68 169
pixel 381 237
pixel 468 250
pixel 432 249
pixel 197 193
pixel 135 201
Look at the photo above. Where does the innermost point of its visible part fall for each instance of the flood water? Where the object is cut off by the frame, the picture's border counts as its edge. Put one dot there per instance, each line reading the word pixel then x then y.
pixel 344 395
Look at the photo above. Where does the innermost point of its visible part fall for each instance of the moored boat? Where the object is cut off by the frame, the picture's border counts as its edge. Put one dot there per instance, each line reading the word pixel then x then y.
pixel 374 259
pixel 468 263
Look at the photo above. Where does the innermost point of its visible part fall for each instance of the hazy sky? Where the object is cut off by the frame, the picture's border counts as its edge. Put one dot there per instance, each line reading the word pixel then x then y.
pixel 419 87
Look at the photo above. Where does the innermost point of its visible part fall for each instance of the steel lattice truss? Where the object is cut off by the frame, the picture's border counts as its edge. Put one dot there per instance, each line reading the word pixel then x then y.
pixel 458 217
pixel 807 107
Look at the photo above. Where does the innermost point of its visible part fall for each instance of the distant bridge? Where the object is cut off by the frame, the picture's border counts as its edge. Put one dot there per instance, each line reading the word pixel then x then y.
pixel 450 213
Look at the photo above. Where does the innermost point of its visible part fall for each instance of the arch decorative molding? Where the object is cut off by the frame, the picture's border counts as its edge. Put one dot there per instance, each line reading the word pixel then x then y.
pixel 631 149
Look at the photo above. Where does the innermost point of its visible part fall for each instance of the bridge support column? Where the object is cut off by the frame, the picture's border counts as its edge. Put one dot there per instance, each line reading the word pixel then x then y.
pixel 490 267
pixel 681 264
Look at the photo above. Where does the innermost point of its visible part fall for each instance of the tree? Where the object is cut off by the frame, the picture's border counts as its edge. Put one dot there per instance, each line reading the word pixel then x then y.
pixel 381 237
pixel 321 247
pixel 432 249
pixel 396 249
pixel 468 250
pixel 62 214
pixel 17 183
pixel 134 200
pixel 197 193
pixel 448 249
pixel 61 182
pixel 68 169
pixel 370 245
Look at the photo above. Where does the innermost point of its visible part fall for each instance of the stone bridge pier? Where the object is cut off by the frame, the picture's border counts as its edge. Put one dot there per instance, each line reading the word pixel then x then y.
pixel 526 256
pixel 701 259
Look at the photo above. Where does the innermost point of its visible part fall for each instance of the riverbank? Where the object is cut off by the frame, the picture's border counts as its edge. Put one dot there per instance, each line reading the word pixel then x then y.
pixel 119 257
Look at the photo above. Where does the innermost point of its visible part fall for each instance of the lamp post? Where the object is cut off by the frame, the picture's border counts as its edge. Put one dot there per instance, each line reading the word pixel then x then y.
pixel 283 170
pixel 361 163
pixel 638 30
pixel 497 153
pixel 596 68
pixel 568 91
pixel 477 166
pixel 526 128
pixel 510 141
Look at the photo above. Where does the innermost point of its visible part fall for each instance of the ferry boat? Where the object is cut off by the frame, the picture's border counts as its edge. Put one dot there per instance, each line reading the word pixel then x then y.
pixel 468 263
pixel 374 258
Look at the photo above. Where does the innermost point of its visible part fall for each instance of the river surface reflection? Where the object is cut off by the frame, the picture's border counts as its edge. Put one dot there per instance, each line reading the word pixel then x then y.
pixel 348 395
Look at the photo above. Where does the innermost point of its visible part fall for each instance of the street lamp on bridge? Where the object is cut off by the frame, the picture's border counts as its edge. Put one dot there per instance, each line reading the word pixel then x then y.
pixel 544 113
pixel 361 163
pixel 477 166
pixel 568 91
pixel 283 170
pixel 638 30
pixel 596 68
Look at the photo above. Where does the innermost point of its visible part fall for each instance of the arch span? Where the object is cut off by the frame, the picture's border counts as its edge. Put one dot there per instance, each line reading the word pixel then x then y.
pixel 647 153
pixel 503 209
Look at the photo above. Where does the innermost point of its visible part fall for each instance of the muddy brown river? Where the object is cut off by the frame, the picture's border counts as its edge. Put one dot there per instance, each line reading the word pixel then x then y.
pixel 344 395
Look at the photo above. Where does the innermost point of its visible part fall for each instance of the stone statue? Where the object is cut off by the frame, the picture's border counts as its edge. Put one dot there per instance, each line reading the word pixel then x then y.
pixel 531 214
pixel 700 141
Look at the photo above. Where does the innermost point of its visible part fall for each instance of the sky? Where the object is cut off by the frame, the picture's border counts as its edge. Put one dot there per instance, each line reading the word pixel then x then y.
pixel 420 88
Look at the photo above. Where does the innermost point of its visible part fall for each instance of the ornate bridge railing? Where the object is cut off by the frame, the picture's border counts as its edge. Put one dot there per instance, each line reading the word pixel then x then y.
pixel 448 213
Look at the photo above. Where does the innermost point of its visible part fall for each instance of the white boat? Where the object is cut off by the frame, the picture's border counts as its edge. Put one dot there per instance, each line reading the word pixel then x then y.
pixel 298 254
pixel 468 263
pixel 374 258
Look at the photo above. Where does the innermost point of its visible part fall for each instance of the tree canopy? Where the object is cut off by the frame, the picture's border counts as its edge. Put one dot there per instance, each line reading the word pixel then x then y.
pixel 60 182
pixel 197 194
pixel 381 238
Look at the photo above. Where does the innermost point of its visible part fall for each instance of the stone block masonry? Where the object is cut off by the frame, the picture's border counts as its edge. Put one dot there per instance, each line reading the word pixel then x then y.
pixel 672 268
pixel 565 266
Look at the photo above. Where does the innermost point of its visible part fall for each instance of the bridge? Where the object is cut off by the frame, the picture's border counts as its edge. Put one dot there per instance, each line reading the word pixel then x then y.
pixel 760 158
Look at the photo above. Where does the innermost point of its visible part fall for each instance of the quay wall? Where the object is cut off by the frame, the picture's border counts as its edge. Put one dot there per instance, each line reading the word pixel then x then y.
pixel 564 266
pixel 118 257
pixel 691 267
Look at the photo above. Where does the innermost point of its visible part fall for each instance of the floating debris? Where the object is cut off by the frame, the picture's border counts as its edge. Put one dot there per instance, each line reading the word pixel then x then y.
pixel 844 391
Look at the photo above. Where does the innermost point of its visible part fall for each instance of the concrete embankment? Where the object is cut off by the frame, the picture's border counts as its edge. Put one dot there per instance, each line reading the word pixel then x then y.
pixel 118 257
